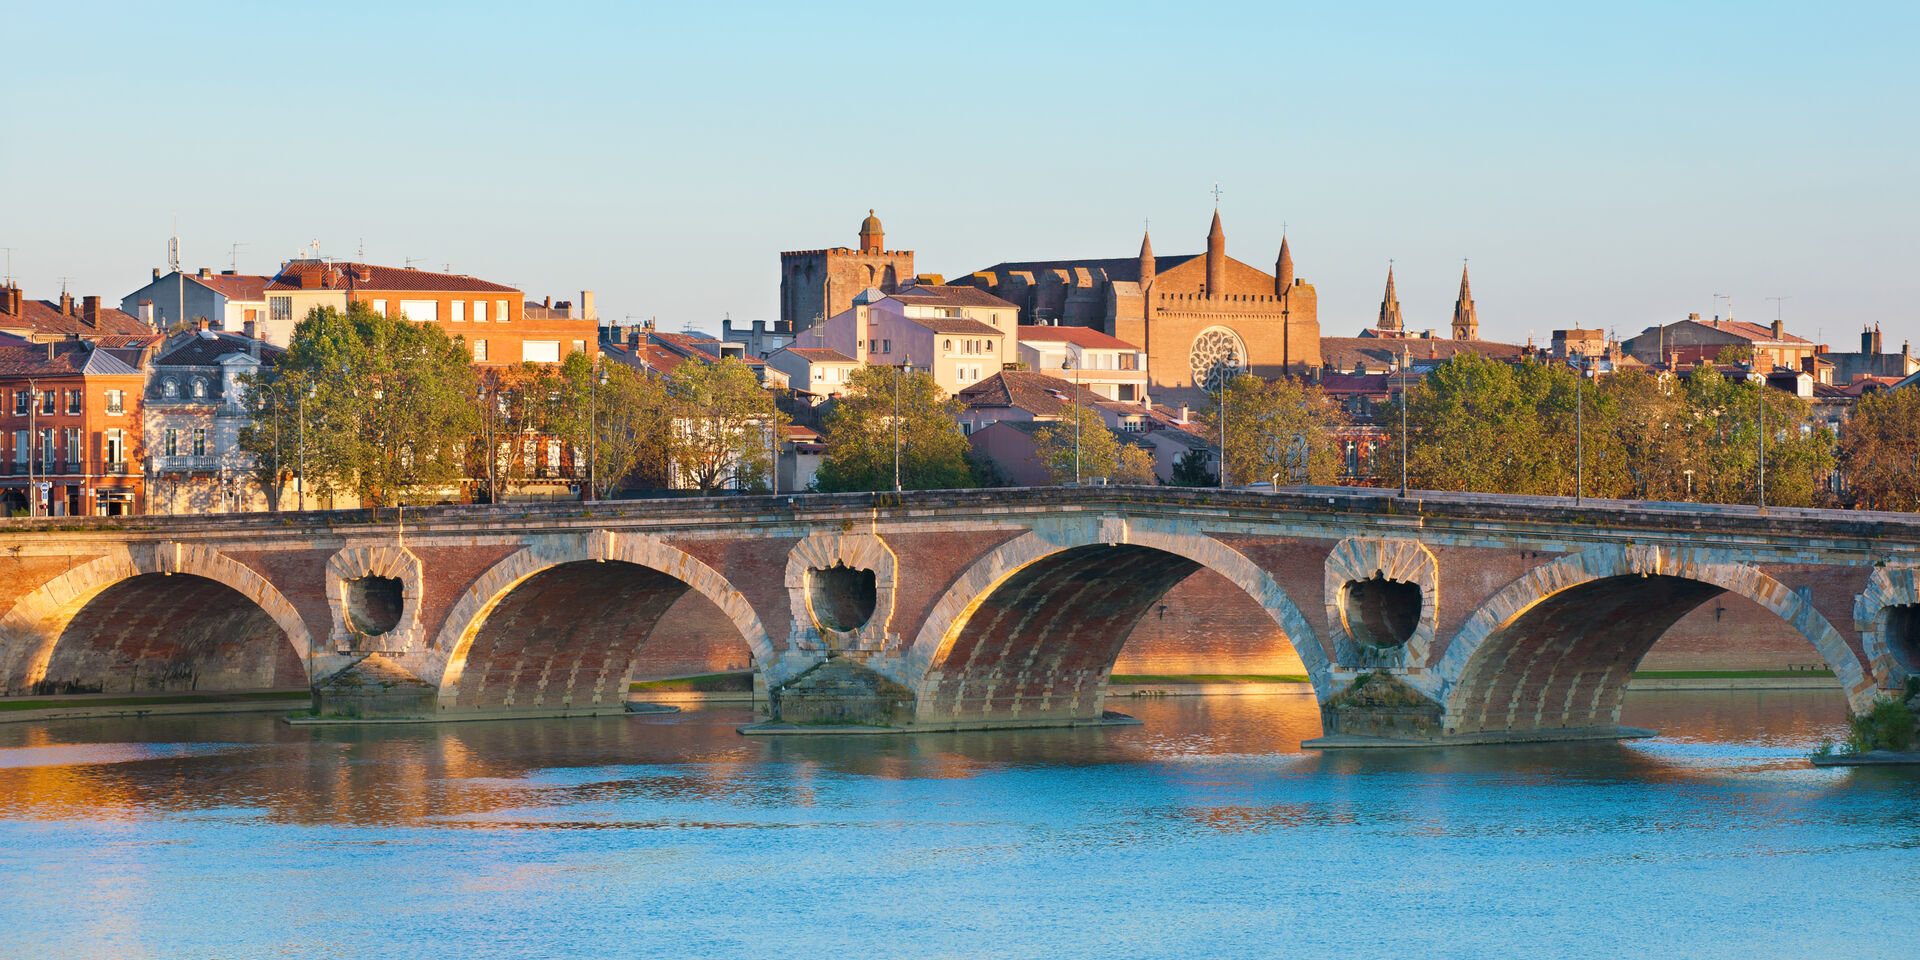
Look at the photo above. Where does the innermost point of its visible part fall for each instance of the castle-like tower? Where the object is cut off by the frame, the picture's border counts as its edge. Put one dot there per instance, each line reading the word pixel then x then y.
pixel 1466 323
pixel 817 284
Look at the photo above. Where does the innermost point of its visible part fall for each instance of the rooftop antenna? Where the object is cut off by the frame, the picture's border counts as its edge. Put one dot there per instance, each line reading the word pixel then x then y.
pixel 446 268
pixel 233 256
pixel 63 285
pixel 413 260
pixel 361 253
pixel 316 248
pixel 1777 301
pixel 9 251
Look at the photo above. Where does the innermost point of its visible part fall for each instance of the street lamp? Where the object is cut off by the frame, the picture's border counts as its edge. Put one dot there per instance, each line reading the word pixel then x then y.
pixel 1226 372
pixel 1067 364
pixel 1406 363
pixel 596 377
pixel 1579 431
pixel 906 370
pixel 1760 413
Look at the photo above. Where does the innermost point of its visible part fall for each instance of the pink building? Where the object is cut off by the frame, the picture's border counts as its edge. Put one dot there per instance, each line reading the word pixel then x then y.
pixel 960 335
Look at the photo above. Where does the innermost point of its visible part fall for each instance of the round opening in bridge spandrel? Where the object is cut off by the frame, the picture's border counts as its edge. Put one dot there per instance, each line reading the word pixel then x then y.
pixel 374 604
pixel 842 598
pixel 1380 612
pixel 1902 632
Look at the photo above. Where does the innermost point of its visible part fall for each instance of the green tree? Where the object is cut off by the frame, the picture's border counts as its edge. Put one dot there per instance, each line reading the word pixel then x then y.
pixel 934 454
pixel 1069 455
pixel 1723 436
pixel 388 410
pixel 1264 417
pixel 1879 451
pixel 617 422
pixel 720 416
pixel 1190 470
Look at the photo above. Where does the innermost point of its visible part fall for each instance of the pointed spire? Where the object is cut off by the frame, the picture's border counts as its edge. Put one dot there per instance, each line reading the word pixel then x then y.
pixel 1216 257
pixel 1283 269
pixel 1390 307
pixel 1146 245
pixel 1216 233
pixel 1466 322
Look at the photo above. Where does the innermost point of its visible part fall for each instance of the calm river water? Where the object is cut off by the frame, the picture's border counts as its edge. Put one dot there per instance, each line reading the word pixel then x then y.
pixel 1205 833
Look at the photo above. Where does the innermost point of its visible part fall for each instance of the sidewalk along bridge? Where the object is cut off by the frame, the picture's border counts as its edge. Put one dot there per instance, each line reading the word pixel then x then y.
pixel 1431 617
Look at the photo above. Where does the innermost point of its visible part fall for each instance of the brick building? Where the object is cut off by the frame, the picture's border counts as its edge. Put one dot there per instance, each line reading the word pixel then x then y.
pixel 1197 316
pixel 1694 341
pixel 817 284
pixel 493 318
pixel 70 418
pixel 43 320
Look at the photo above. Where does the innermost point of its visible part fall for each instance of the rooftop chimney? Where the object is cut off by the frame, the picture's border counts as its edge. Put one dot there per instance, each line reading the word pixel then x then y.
pixel 66 304
pixel 10 300
pixel 586 306
pixel 206 271
pixel 90 311
pixel 156 273
pixel 1779 329
pixel 1183 414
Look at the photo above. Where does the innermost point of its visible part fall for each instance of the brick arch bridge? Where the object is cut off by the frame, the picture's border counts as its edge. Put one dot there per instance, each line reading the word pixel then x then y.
pixel 1430 617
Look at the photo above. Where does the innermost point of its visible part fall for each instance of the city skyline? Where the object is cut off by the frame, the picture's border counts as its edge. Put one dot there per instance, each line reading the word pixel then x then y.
pixel 1597 172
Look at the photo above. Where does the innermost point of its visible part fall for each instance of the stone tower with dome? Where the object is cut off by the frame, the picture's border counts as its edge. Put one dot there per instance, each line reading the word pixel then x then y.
pixel 816 284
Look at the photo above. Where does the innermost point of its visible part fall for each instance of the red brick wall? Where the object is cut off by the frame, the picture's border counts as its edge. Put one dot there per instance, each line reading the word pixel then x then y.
pixel 177 633
pixel 693 637
pixel 1209 625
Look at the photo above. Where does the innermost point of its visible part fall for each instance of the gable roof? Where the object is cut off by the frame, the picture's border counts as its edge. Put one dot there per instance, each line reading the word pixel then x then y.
pixel 818 354
pixel 1039 394
pixel 1079 336
pixel 208 347
pixel 234 286
pixel 650 356
pixel 949 296
pixel 1118 268
pixel 44 317
pixel 69 358
pixel 377 279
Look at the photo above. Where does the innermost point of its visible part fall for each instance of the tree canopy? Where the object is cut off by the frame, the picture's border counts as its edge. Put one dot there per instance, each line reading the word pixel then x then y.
pixel 859 430
pixel 1879 448
pixel 1264 417
pixel 720 417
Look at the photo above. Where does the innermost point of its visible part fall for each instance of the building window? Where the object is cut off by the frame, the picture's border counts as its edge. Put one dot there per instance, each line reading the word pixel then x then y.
pixel 199 389
pixel 540 351
pixel 579 346
pixel 380 307
pixel 500 310
pixel 989 346
pixel 553 457
pixel 281 308
pixel 819 373
pixel 949 346
pixel 48 400
pixel 73 401
pixel 421 311
pixel 46 448
pixel 479 350
pixel 172 442
pixel 20 446
pixel 73 449
pixel 169 389
pixel 116 447
pixel 199 441
pixel 116 401
pixel 21 400
pixel 479 311
pixel 459 311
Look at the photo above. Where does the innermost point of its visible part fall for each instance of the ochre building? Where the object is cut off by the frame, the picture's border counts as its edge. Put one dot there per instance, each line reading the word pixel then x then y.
pixel 1197 316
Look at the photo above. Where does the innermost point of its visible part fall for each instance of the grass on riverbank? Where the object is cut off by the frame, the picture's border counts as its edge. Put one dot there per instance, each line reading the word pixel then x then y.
pixel 29 703
pixel 706 683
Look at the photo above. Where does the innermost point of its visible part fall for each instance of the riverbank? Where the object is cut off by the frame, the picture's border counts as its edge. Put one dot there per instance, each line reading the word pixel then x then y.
pixel 1242 685
pixel 86 705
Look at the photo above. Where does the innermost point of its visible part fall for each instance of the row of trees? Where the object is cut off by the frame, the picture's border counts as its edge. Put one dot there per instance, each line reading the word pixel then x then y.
pixel 394 412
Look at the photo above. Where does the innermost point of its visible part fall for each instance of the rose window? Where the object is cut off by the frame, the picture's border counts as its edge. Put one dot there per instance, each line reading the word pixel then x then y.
pixel 1217 356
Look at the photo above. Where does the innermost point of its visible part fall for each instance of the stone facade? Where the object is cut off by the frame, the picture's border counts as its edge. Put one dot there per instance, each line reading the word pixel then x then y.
pixel 1196 316
pixel 817 284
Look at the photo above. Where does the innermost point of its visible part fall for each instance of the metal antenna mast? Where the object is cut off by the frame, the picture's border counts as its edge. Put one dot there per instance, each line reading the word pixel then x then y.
pixel 233 255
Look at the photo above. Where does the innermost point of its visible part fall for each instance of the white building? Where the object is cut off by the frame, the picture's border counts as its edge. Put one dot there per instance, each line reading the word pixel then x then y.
pixel 1110 367
pixel 228 300
pixel 819 372
pixel 959 335
pixel 193 412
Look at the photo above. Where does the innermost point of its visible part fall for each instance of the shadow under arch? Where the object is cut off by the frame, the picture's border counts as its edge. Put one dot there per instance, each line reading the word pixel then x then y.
pixel 183 616
pixel 1555 649
pixel 1031 630
pixel 558 622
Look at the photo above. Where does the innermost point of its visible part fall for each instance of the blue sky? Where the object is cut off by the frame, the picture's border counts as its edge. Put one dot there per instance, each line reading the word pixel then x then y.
pixel 1612 165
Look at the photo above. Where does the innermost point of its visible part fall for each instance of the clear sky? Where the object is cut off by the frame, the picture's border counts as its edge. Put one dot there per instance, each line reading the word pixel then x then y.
pixel 1602 164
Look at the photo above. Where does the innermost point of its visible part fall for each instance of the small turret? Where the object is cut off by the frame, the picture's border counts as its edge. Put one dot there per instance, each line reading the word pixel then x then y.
pixel 1216 258
pixel 872 238
pixel 1146 262
pixel 1283 270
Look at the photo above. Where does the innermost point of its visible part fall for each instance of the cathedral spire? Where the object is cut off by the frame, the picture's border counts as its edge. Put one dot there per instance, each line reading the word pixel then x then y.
pixel 1466 322
pixel 1216 257
pixel 1390 307
pixel 1283 270
pixel 1146 260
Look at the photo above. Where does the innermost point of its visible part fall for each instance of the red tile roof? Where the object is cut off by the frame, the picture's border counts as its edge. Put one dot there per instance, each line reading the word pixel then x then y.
pixel 949 296
pixel 1079 336
pixel 820 354
pixel 650 356
pixel 1039 394
pixel 44 317
pixel 378 279
pixel 1749 331
pixel 234 286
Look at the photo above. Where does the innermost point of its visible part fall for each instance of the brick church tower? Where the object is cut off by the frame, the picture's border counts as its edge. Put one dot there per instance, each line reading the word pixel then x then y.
pixel 1390 321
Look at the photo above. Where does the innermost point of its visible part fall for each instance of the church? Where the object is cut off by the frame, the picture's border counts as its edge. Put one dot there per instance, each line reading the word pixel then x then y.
pixel 1198 317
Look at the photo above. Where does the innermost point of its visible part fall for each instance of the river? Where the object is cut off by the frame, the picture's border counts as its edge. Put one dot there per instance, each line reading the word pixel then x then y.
pixel 1206 832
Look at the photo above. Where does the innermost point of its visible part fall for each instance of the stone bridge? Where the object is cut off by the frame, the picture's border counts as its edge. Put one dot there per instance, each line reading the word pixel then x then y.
pixel 1429 617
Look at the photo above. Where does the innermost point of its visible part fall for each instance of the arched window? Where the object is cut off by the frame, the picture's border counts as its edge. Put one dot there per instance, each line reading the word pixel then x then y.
pixel 170 389
pixel 949 346
pixel 199 389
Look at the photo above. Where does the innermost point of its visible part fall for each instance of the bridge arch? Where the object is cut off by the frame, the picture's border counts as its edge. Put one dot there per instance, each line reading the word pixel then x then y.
pixel 1042 617
pixel 1555 648
pixel 218 603
pixel 625 582
pixel 1887 614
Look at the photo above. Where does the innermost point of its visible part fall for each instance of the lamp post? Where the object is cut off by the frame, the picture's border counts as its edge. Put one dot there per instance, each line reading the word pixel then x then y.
pixel 773 440
pixel 33 445
pixel 1579 431
pixel 597 376
pixel 906 370
pixel 1406 363
pixel 1226 378
pixel 1760 414
pixel 1067 364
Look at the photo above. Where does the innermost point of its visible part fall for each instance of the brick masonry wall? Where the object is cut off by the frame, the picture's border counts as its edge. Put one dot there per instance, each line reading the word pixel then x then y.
pixel 1209 625
pixel 301 577
pixel 20 575
pixel 692 637
pixel 1730 632
pixel 175 633
pixel 758 569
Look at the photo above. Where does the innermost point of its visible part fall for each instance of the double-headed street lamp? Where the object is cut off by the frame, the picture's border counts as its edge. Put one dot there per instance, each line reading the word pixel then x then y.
pixel 906 370
pixel 1227 372
pixel 1067 364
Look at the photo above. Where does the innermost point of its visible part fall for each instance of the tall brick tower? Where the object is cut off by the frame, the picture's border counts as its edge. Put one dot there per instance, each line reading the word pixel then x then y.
pixel 1216 258
pixel 817 284
pixel 1146 273
pixel 1466 323
pixel 1390 321
pixel 1283 270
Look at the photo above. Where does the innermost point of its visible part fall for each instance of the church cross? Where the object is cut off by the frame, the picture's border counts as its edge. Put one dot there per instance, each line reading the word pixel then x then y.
pixel 1216 193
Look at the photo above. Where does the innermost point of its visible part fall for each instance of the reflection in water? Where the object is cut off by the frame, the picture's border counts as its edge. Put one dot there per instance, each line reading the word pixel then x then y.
pixel 1204 832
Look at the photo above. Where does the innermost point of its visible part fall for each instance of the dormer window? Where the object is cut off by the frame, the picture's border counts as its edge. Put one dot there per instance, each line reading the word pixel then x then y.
pixel 170 389
pixel 199 389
